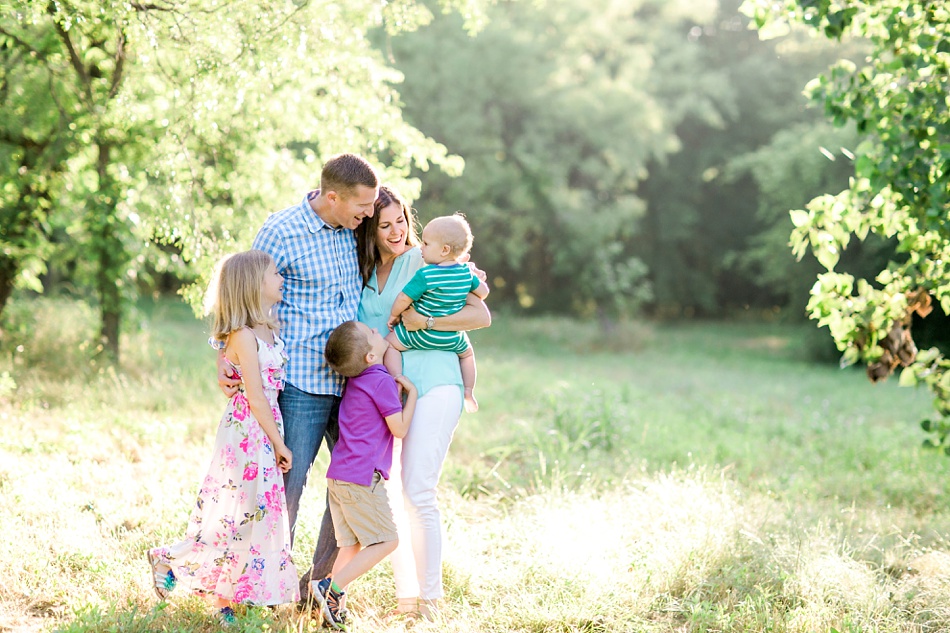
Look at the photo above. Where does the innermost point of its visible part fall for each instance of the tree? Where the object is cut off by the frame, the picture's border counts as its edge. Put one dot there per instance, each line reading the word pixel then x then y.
pixel 34 144
pixel 182 122
pixel 800 163
pixel 704 215
pixel 896 98
pixel 557 112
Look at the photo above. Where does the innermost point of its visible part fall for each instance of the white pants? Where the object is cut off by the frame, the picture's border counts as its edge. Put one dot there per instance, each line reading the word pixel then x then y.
pixel 417 465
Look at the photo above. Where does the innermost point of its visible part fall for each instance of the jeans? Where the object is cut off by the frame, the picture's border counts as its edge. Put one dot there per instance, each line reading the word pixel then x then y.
pixel 417 562
pixel 308 419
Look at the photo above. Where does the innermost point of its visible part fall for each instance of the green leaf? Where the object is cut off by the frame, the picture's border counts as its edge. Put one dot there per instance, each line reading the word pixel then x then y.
pixel 827 256
pixel 908 378
pixel 849 357
pixel 799 217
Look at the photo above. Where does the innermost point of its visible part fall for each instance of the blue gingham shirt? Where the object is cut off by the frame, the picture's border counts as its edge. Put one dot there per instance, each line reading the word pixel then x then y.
pixel 321 289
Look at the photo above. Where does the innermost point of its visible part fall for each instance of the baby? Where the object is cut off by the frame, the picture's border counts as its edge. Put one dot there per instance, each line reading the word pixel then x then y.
pixel 439 289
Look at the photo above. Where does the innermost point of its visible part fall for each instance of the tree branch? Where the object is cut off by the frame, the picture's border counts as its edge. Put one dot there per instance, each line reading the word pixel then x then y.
pixel 8 138
pixel 76 62
pixel 22 43
pixel 119 64
pixel 150 6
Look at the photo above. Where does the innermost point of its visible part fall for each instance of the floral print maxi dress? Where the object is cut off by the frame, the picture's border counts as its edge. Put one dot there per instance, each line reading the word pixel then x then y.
pixel 237 545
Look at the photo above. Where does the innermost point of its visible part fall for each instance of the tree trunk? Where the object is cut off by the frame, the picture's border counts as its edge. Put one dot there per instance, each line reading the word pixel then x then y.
pixel 110 300
pixel 111 318
pixel 109 255
pixel 9 267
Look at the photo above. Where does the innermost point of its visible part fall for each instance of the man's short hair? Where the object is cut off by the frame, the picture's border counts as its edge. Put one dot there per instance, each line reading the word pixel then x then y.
pixel 345 172
pixel 347 349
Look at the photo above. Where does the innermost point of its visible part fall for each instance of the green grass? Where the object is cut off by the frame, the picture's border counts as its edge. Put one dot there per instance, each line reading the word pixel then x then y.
pixel 701 477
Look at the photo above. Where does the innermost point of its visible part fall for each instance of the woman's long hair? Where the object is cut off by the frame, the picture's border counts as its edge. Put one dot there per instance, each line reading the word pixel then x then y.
pixel 235 293
pixel 366 232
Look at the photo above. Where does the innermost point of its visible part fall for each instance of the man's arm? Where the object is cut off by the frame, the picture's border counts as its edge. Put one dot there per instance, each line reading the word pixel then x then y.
pixel 474 316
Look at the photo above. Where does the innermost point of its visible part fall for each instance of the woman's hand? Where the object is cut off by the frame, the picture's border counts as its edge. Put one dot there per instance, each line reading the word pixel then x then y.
pixel 412 320
pixel 228 379
pixel 473 316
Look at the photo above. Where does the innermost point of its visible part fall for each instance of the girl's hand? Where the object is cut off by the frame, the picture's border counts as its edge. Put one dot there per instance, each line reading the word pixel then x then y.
pixel 285 458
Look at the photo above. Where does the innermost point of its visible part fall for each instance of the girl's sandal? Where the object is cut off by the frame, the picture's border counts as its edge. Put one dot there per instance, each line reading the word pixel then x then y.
pixel 227 616
pixel 164 582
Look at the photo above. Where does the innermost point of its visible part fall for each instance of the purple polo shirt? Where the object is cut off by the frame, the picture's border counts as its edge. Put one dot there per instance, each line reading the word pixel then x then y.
pixel 365 444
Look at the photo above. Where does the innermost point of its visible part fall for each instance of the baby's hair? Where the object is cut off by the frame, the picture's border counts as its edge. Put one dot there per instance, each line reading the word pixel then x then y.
pixel 343 173
pixel 346 350
pixel 454 232
pixel 235 293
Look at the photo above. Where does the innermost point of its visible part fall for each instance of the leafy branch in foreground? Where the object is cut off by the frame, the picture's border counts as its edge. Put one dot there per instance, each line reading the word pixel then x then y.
pixel 128 128
pixel 896 97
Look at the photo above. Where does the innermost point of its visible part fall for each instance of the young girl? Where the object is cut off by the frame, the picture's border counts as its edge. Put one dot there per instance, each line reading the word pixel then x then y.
pixel 237 545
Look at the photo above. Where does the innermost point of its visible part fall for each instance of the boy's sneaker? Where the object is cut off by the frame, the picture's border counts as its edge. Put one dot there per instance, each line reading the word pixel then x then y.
pixel 331 602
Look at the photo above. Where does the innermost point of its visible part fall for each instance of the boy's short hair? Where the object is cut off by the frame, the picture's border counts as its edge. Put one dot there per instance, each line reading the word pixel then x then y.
pixel 347 349
pixel 345 172
pixel 454 232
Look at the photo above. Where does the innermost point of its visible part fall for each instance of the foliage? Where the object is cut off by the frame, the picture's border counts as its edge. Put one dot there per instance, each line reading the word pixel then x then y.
pixel 896 99
pixel 31 327
pixel 800 163
pixel 34 143
pixel 598 141
pixel 707 219
pixel 179 124
pixel 557 113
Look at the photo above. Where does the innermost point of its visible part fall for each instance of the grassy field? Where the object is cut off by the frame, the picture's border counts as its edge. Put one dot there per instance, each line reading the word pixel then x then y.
pixel 703 477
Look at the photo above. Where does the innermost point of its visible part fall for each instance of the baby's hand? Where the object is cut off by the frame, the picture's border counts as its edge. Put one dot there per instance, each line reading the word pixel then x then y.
pixel 393 320
pixel 478 272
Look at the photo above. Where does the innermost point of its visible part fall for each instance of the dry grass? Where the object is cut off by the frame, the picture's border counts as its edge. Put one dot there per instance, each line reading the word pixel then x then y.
pixel 96 466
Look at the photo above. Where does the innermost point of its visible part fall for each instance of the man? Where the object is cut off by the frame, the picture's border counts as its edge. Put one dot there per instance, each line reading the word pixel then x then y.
pixel 314 247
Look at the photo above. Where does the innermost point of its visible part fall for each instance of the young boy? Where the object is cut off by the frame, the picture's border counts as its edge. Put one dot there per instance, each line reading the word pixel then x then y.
pixel 370 416
pixel 439 289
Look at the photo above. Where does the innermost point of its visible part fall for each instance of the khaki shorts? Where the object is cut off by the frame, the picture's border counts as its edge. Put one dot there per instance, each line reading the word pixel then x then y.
pixel 361 514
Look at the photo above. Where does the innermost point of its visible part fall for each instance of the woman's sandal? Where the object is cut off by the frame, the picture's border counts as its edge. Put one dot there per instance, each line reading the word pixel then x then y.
pixel 405 608
pixel 164 582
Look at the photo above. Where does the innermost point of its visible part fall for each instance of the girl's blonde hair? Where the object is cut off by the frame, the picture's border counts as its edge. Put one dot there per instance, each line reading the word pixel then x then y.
pixel 234 295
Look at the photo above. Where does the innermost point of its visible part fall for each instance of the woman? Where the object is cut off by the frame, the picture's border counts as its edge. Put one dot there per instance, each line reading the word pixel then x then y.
pixel 387 244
